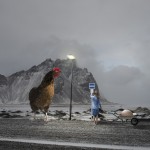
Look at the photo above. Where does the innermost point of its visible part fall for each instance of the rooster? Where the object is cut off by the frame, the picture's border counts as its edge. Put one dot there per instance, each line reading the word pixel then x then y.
pixel 41 97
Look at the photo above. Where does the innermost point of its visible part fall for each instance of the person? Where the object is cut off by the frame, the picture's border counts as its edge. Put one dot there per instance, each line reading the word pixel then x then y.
pixel 95 106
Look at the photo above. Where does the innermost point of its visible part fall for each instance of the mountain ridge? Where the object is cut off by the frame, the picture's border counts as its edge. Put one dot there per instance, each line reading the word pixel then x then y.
pixel 14 89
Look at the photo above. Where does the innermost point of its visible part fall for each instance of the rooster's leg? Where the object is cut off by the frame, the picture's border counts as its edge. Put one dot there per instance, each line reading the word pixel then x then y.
pixel 45 117
pixel 34 116
pixel 45 112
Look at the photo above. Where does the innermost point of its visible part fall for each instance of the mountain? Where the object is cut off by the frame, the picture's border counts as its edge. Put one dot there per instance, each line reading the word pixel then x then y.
pixel 15 88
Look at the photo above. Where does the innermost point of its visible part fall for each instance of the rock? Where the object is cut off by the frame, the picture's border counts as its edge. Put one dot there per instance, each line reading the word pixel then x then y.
pixel 77 113
pixel 18 111
pixel 60 113
pixel 142 110
pixel 120 109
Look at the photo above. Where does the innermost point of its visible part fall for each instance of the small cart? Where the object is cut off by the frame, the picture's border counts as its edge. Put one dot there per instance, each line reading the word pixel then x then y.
pixel 135 119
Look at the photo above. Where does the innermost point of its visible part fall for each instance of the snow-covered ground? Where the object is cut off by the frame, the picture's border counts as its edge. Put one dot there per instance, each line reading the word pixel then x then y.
pixel 79 112
pixel 58 112
pixel 75 108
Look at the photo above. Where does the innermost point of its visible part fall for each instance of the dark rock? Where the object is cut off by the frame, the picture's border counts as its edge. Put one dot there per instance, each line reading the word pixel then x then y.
pixel 120 109
pixel 18 111
pixel 142 110
pixel 3 111
pixel 4 114
pixel 77 113
pixel 59 113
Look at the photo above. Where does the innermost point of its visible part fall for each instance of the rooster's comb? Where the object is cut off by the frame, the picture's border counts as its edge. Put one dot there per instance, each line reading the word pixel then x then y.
pixel 56 69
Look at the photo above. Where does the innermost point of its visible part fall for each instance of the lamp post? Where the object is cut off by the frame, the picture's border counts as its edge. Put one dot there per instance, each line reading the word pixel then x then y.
pixel 71 57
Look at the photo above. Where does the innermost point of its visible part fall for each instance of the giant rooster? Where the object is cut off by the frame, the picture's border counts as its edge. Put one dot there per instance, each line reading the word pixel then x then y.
pixel 41 97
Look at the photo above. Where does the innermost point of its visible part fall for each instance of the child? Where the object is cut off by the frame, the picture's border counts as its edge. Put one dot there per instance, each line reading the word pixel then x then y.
pixel 95 105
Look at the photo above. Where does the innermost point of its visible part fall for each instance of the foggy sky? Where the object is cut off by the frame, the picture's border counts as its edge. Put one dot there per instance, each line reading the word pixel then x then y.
pixel 109 37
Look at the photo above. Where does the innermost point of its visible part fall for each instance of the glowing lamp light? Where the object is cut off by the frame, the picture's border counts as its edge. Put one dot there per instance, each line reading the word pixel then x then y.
pixel 70 57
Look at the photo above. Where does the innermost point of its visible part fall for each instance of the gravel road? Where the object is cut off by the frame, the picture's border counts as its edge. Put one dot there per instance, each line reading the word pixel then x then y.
pixel 108 133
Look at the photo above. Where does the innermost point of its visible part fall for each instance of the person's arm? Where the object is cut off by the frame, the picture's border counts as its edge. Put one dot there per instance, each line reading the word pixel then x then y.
pixel 91 96
pixel 99 103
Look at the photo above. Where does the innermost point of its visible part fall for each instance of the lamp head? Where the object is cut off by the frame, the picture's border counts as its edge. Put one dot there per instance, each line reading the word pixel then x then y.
pixel 70 57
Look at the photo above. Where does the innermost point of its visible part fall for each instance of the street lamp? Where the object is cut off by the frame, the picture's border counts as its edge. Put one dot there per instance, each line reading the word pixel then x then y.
pixel 71 57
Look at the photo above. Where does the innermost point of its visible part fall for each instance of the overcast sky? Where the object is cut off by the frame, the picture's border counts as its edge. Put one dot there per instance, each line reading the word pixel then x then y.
pixel 109 37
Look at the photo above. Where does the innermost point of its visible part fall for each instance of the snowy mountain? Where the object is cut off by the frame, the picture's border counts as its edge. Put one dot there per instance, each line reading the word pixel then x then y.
pixel 15 88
